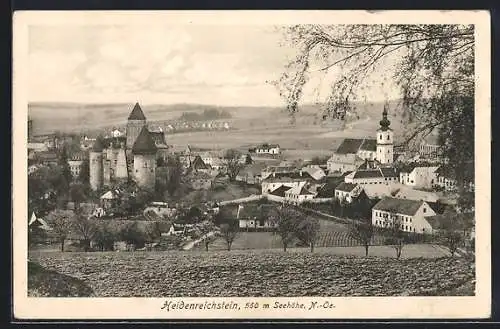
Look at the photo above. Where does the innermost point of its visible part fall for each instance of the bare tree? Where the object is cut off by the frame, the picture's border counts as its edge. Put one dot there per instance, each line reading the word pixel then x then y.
pixel 287 220
pixel 362 232
pixel 308 231
pixel 61 223
pixel 451 234
pixel 206 231
pixel 86 227
pixel 233 164
pixel 229 233
pixel 396 233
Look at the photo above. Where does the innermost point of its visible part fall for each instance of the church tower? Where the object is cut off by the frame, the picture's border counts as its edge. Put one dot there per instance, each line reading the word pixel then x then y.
pixel 95 165
pixel 385 136
pixel 144 168
pixel 136 121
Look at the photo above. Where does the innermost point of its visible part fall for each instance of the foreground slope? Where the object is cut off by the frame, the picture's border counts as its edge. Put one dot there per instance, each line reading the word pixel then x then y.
pixel 259 273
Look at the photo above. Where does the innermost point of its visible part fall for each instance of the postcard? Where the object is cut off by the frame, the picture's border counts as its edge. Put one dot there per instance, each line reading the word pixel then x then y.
pixel 178 165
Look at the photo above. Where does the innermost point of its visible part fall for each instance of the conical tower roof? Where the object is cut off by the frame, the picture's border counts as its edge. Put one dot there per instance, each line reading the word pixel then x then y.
pixel 144 144
pixel 137 113
pixel 98 145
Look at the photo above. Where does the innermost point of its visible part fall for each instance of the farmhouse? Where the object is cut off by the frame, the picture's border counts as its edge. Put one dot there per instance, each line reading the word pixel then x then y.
pixel 446 178
pixel 299 194
pixel 429 147
pixel 347 191
pixel 272 149
pixel 409 214
pixel 385 176
pixel 257 217
pixel 251 174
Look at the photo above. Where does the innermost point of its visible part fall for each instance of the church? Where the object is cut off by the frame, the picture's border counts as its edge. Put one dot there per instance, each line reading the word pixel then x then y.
pixel 365 153
pixel 133 156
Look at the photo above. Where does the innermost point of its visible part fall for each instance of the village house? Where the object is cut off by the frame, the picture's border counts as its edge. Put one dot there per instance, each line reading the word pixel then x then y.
pixel 446 178
pixel 409 193
pixel 251 174
pixel 110 199
pixel 410 214
pixel 385 176
pixel 37 147
pixel 347 191
pixel 340 163
pixel 419 176
pixel 271 149
pixel 201 180
pixel 255 217
pixel 299 194
pixel 271 183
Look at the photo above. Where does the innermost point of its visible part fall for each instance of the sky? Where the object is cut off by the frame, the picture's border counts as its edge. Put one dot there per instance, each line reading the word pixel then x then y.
pixel 161 64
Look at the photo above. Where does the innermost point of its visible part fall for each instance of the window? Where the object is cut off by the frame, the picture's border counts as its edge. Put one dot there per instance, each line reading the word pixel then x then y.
pixel 424 210
pixel 388 137
pixel 380 137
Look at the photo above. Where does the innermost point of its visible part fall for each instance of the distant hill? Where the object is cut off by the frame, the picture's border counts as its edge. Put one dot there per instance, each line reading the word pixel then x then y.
pixel 49 117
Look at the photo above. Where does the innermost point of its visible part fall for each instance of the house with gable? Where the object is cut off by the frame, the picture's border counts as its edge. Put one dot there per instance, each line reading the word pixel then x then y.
pixel 409 214
pixel 299 194
pixel 347 191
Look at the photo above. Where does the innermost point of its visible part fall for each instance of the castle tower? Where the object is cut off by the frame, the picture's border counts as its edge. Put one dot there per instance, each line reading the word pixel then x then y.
pixel 121 172
pixel 144 151
pixel 385 136
pixel 95 165
pixel 136 121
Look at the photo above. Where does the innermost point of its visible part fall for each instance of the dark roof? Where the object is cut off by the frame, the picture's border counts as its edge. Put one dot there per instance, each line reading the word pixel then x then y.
pixel 373 173
pixel 399 206
pixel 266 146
pixel 328 189
pixel 369 164
pixel 198 163
pixel 158 137
pixel 137 113
pixel 280 191
pixel 144 144
pixel 114 142
pixel 98 145
pixel 389 172
pixel 47 156
pixel 349 145
pixel 369 145
pixel 346 187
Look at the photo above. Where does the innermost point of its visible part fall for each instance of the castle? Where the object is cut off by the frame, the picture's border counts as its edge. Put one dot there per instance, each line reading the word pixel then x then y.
pixel 133 156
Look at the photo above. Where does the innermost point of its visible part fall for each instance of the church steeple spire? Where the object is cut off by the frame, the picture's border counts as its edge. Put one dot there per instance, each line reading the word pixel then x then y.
pixel 384 123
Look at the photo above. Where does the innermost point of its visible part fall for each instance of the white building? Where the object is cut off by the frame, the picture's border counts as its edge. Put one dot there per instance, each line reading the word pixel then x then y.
pixel 347 191
pixel 385 176
pixel 299 194
pixel 409 214
pixel 265 148
pixel 409 193
pixel 270 184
